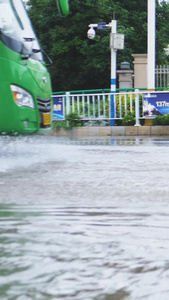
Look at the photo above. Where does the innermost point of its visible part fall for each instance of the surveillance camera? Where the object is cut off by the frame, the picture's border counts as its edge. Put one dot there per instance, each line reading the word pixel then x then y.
pixel 91 33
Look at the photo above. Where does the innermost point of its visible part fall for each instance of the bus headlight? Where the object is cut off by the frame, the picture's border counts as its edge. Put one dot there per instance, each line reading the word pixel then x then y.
pixel 22 97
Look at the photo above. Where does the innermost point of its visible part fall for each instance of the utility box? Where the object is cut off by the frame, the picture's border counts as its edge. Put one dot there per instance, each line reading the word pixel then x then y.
pixel 117 41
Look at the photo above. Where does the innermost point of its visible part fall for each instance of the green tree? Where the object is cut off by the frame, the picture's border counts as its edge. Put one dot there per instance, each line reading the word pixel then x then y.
pixel 80 63
pixel 162 32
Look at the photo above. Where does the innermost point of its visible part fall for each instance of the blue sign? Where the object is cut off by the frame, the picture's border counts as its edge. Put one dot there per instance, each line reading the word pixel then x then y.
pixel 155 104
pixel 58 108
pixel 101 25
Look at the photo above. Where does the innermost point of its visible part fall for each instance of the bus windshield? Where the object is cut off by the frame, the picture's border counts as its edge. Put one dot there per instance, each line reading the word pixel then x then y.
pixel 16 31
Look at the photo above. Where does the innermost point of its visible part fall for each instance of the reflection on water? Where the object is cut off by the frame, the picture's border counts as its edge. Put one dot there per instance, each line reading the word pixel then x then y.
pixel 83 221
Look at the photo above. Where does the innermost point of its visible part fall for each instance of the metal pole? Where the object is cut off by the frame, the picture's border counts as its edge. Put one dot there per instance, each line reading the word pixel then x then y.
pixel 113 26
pixel 137 108
pixel 151 45
pixel 67 103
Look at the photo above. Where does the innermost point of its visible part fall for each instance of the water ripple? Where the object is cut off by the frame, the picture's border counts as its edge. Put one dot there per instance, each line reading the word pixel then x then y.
pixel 84 220
pixel 82 253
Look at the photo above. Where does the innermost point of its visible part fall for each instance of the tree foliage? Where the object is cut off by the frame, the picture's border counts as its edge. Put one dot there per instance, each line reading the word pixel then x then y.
pixel 80 63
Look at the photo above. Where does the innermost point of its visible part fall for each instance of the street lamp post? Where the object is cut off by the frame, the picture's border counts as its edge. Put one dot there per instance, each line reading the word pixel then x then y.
pixel 151 44
pixel 113 26
pixel 116 42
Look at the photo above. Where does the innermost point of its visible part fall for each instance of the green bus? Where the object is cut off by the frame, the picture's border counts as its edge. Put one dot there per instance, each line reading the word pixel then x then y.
pixel 25 86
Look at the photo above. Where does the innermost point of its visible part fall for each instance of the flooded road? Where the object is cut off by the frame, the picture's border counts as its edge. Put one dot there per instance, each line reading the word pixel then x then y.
pixel 84 219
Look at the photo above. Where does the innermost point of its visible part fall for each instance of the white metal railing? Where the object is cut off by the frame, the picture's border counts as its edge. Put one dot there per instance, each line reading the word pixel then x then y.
pixel 107 106
pixel 98 106
pixel 89 106
pixel 162 76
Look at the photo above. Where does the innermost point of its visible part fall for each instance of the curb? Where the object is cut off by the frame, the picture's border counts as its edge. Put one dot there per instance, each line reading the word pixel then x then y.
pixel 94 131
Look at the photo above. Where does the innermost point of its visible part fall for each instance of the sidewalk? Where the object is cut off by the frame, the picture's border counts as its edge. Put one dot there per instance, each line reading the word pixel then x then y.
pixel 94 131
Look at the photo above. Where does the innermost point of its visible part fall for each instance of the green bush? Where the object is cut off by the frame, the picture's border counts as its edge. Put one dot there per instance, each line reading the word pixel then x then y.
pixel 161 120
pixel 57 124
pixel 128 120
pixel 71 120
pixel 118 122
